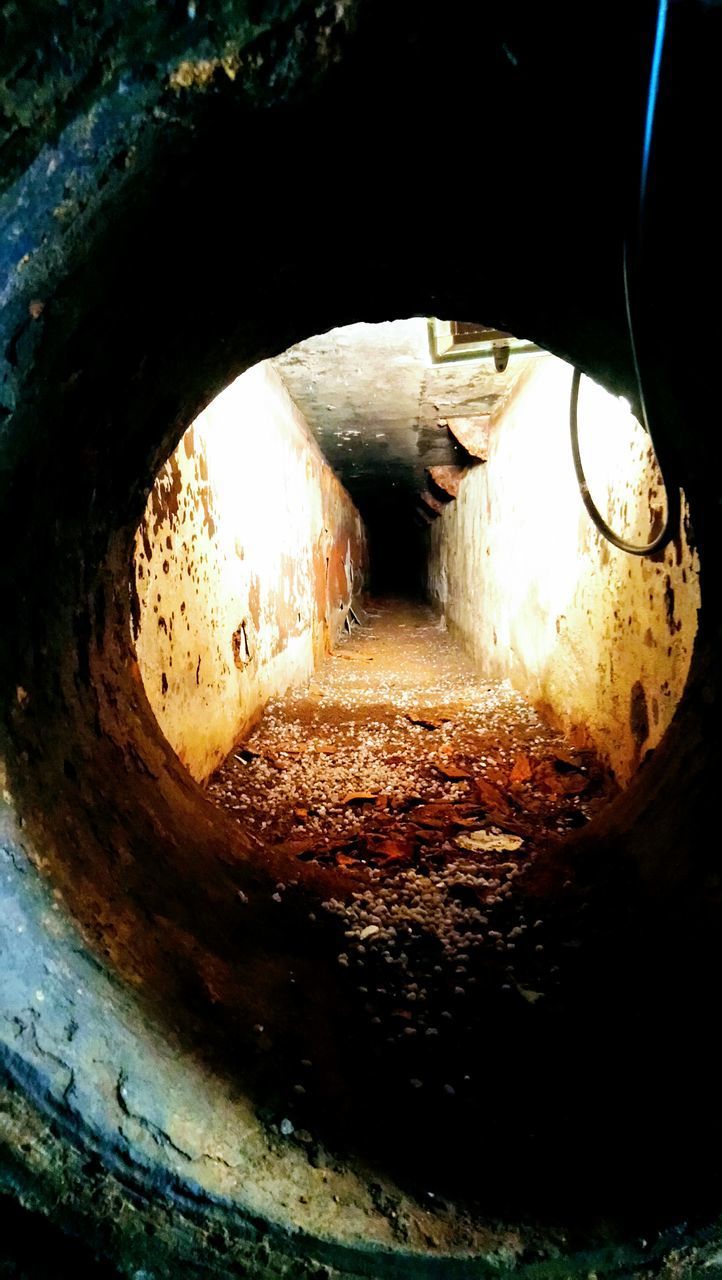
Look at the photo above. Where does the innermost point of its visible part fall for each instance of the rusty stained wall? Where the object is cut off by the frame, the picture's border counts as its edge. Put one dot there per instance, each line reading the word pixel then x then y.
pixel 600 640
pixel 244 565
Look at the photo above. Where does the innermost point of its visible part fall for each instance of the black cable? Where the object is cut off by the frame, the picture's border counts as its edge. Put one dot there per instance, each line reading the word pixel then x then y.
pixel 671 524
pixel 633 549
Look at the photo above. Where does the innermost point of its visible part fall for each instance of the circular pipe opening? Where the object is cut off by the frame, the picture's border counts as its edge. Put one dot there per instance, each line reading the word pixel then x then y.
pixel 151 946
pixel 382 1087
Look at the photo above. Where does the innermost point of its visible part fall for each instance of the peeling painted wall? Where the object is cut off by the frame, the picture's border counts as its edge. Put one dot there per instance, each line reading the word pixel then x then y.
pixel 244 566
pixel 600 640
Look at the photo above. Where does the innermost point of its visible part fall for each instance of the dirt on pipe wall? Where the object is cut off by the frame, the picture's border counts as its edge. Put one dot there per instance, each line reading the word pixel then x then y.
pixel 600 640
pixel 245 564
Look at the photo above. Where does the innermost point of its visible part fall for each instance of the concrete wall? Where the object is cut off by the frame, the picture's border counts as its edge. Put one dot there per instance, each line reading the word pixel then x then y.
pixel 245 563
pixel 600 640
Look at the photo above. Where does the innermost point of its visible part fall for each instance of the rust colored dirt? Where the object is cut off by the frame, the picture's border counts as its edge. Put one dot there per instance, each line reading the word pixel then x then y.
pixel 439 793
pixel 398 736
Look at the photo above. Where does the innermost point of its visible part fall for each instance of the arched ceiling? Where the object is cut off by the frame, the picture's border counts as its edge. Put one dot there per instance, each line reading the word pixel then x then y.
pixel 379 406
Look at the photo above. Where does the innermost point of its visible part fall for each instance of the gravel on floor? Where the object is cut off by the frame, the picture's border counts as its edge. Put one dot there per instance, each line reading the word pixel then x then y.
pixel 401 764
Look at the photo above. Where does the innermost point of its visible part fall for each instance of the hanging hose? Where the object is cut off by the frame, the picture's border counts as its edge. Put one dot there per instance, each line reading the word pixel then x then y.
pixel 671 523
pixel 631 548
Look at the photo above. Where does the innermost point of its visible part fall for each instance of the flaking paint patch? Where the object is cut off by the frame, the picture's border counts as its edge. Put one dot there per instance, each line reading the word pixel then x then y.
pixel 638 714
pixel 165 496
pixel 254 600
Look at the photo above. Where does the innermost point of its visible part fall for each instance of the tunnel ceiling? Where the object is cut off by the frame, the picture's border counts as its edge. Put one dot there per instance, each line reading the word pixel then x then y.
pixel 378 405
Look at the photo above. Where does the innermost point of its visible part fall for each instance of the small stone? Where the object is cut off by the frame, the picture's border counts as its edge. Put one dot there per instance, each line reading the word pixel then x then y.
pixel 286 1127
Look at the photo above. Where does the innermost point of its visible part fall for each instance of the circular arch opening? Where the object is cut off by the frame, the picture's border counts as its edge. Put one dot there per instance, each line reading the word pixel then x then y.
pixel 185 500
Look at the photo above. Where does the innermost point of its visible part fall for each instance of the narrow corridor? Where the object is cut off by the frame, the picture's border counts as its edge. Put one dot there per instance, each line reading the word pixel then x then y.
pixel 417 931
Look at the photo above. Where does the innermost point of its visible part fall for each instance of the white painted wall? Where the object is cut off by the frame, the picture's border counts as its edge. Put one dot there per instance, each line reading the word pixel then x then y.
pixel 245 562
pixel 595 637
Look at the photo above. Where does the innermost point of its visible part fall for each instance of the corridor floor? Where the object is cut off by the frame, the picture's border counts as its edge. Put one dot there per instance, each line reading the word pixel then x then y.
pixel 437 791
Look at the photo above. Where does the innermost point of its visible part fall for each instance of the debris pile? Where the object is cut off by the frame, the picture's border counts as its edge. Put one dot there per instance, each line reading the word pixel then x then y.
pixel 437 790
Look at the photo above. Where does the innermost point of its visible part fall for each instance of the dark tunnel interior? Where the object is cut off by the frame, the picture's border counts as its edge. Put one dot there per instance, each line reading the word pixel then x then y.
pixel 196 191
